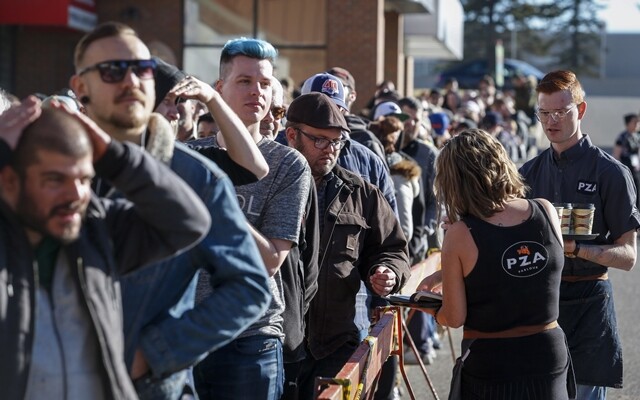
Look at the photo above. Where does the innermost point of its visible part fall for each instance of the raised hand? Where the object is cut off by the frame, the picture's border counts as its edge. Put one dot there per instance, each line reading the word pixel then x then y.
pixel 192 88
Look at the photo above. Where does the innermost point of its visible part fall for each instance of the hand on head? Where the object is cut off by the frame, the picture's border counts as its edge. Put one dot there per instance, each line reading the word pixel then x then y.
pixel 99 138
pixel 15 119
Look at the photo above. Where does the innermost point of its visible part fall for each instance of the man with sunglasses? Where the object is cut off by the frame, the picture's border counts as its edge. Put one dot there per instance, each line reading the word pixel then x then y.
pixel 272 122
pixel 360 238
pixel 573 170
pixel 164 333
pixel 251 367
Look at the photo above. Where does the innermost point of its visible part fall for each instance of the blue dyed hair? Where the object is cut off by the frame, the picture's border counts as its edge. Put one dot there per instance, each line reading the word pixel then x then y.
pixel 253 48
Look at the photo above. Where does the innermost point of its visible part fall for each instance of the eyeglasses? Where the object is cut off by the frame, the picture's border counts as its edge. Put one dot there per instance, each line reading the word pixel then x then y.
pixel 558 115
pixel 322 143
pixel 278 111
pixel 114 71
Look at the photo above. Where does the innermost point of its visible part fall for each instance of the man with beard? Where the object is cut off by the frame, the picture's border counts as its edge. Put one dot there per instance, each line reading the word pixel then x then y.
pixel 165 333
pixel 62 250
pixel 360 238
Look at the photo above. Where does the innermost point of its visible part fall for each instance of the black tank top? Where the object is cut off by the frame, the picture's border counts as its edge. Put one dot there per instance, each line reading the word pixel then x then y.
pixel 516 279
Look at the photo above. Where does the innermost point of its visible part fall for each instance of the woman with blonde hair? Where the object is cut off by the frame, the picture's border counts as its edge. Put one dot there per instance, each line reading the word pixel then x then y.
pixel 502 258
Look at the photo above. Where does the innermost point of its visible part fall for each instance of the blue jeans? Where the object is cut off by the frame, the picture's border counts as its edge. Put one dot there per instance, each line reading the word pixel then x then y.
pixel 591 392
pixel 247 368
pixel 421 329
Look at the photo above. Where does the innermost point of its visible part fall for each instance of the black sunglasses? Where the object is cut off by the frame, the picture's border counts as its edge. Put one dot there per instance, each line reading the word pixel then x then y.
pixel 114 71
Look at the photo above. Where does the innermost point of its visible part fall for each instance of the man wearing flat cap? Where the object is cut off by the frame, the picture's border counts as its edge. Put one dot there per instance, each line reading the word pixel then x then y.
pixel 360 238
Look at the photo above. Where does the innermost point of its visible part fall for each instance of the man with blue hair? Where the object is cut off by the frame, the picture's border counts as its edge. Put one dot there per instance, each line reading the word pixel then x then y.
pixel 251 367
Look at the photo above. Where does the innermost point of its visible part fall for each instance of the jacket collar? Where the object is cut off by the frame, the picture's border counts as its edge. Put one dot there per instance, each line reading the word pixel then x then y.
pixel 159 141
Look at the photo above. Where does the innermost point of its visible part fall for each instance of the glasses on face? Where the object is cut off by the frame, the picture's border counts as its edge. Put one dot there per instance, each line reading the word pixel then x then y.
pixel 278 111
pixel 558 115
pixel 322 143
pixel 114 71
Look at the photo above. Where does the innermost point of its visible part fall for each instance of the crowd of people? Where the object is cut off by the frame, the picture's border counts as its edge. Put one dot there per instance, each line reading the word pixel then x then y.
pixel 166 238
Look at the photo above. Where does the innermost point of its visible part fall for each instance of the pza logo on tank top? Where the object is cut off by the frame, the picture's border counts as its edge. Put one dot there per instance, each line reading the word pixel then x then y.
pixel 524 259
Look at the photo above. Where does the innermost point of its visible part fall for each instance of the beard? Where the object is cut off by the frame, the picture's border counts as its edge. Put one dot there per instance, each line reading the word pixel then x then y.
pixel 133 119
pixel 33 219
pixel 136 115
pixel 318 170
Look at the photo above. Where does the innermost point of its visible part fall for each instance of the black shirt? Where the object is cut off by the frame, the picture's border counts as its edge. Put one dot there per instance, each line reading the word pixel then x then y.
pixel 586 174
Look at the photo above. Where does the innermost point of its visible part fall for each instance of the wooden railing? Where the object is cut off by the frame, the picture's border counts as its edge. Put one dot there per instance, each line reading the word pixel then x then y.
pixel 360 374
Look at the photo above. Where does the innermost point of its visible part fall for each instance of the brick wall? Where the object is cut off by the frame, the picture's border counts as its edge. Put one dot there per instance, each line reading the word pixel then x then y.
pixel 43 60
pixel 355 41
pixel 158 22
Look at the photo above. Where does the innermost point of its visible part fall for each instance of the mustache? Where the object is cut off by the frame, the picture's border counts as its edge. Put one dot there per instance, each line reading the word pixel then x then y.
pixel 66 208
pixel 137 94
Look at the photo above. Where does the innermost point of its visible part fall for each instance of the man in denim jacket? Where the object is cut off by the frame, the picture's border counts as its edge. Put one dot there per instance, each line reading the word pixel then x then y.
pixel 161 342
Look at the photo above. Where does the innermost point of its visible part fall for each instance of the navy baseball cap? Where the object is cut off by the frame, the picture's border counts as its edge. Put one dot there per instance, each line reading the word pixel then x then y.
pixel 328 84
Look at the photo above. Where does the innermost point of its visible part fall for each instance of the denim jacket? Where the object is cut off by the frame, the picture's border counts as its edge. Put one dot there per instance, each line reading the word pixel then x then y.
pixel 175 338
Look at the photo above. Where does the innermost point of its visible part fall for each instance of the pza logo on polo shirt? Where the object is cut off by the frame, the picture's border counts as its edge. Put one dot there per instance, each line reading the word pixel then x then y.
pixel 330 86
pixel 587 187
pixel 524 259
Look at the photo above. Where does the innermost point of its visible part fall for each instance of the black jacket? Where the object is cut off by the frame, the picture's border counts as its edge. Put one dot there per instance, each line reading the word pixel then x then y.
pixel 161 217
pixel 360 233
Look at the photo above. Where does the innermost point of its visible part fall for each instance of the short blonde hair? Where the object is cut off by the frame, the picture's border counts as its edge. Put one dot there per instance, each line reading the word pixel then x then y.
pixel 475 176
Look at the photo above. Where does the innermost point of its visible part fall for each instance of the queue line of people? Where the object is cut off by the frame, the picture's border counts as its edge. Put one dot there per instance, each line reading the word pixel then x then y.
pixel 308 216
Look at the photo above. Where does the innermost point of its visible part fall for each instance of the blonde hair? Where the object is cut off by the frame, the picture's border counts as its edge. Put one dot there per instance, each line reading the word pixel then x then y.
pixel 475 176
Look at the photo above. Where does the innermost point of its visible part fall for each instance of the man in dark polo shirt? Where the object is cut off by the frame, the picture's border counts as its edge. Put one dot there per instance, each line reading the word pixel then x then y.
pixel 573 170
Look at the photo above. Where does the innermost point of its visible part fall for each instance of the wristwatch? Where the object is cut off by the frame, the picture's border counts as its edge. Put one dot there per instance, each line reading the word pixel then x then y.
pixel 574 253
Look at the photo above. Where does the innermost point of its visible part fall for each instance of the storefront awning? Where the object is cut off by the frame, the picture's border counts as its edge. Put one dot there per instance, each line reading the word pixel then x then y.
pixel 74 14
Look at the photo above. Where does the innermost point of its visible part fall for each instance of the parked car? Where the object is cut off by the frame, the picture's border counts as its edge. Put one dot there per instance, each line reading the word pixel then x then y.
pixel 469 73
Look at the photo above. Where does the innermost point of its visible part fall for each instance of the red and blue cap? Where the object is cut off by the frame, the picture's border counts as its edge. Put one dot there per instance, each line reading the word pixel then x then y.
pixel 328 84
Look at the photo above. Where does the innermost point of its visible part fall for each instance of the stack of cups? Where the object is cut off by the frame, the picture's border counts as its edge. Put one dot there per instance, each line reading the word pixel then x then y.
pixel 582 218
pixel 564 214
pixel 576 218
